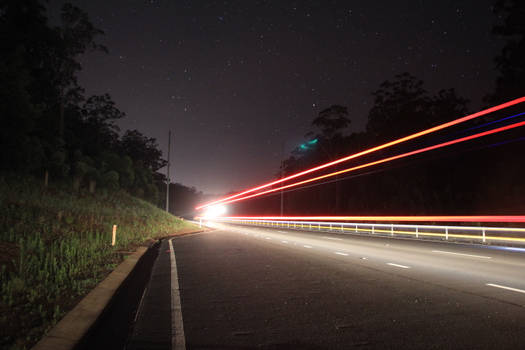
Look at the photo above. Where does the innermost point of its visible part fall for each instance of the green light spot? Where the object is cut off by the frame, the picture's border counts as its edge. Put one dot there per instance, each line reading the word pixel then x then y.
pixel 312 142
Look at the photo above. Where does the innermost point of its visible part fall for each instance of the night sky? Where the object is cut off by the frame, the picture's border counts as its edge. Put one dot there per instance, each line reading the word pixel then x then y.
pixel 234 80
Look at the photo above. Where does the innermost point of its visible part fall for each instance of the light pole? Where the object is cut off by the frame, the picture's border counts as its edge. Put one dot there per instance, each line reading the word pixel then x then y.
pixel 304 146
pixel 168 174
pixel 281 175
pixel 310 145
pixel 331 158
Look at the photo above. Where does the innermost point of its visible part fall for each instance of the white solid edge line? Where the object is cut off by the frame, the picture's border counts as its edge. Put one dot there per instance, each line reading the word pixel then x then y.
pixel 397 265
pixel 285 242
pixel 339 253
pixel 307 246
pixel 469 255
pixel 505 287
pixel 267 237
pixel 178 341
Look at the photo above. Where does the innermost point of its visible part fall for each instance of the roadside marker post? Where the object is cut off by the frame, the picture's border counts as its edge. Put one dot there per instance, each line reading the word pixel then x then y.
pixel 114 237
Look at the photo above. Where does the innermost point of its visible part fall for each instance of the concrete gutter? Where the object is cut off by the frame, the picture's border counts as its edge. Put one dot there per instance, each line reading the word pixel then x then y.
pixel 76 323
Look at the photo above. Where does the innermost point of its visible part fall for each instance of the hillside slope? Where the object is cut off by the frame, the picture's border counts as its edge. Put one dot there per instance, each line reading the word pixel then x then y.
pixel 55 246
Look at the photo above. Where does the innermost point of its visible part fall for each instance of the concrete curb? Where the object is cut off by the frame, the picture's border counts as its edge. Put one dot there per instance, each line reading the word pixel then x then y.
pixel 76 323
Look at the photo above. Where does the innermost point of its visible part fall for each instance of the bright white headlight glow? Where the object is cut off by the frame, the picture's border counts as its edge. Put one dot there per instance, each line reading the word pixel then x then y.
pixel 214 211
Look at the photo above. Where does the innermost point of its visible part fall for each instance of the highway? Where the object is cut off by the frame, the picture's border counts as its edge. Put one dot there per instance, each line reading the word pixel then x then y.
pixel 252 287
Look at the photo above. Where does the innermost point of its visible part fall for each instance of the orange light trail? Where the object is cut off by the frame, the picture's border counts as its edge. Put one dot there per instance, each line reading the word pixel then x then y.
pixel 435 218
pixel 373 149
pixel 381 161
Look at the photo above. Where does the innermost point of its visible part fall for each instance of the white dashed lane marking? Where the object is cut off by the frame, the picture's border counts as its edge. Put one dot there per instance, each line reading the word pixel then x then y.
pixel 461 254
pixel 505 287
pixel 332 238
pixel 397 265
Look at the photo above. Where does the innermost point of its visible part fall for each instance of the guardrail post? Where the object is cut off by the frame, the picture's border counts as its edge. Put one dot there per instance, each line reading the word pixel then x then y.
pixel 373 226
pixel 310 228
pixel 446 233
pixel 355 228
pixel 417 232
pixel 342 229
pixel 330 227
pixel 319 226
pixel 391 229
pixel 483 231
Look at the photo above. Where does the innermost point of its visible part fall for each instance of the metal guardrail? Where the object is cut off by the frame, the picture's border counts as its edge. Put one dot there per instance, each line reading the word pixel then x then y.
pixel 485 235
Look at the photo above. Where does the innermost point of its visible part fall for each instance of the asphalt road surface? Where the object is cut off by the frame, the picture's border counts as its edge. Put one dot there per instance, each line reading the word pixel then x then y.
pixel 259 288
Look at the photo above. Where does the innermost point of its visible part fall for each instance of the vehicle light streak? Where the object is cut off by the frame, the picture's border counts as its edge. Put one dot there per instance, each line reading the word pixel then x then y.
pixel 373 149
pixel 381 161
pixel 495 121
pixel 434 218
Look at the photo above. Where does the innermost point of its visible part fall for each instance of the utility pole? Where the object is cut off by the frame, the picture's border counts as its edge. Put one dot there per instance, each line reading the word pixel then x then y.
pixel 168 174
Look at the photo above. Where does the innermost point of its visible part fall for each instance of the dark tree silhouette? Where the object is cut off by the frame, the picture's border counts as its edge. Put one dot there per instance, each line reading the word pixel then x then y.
pixel 400 106
pixel 47 124
pixel 142 148
pixel 509 62
pixel 332 121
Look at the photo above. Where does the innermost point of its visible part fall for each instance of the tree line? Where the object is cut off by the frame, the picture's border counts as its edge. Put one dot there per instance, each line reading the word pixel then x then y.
pixel 483 176
pixel 49 127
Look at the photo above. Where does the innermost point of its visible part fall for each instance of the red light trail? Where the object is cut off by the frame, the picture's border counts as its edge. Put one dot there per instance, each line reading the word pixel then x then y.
pixel 381 161
pixel 371 150
pixel 438 218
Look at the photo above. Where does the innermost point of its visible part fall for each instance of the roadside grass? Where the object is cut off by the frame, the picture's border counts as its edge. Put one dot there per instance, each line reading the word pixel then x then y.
pixel 55 246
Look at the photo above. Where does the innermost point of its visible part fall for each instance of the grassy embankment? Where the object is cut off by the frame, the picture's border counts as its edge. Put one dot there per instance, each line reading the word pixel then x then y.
pixel 55 246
